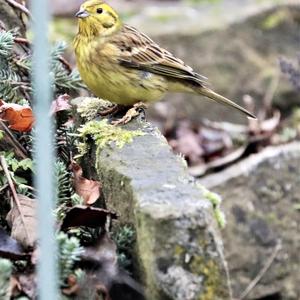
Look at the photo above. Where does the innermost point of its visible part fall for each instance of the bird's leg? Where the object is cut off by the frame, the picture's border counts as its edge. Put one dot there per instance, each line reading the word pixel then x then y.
pixel 131 113
pixel 111 110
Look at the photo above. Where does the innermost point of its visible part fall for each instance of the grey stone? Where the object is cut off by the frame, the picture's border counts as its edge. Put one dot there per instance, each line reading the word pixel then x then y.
pixel 259 199
pixel 179 248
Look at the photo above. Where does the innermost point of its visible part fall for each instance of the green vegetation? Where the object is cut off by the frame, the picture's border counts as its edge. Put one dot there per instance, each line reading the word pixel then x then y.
pixel 104 134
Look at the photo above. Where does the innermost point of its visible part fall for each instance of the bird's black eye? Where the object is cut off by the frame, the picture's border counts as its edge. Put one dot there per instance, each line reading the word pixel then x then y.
pixel 99 10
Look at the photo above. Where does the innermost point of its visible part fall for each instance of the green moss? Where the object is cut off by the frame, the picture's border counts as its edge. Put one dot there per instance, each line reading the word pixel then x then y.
pixel 211 273
pixel 104 135
pixel 296 117
pixel 275 19
pixel 179 251
pixel 216 201
pixel 88 108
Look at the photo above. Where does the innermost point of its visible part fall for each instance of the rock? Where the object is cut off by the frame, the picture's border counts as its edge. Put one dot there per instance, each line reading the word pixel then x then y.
pixel 259 199
pixel 179 249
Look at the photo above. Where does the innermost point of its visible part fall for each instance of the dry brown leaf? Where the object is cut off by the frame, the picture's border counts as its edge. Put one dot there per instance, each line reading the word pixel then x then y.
pixel 60 104
pixel 24 222
pixel 187 143
pixel 87 216
pixel 88 189
pixel 19 118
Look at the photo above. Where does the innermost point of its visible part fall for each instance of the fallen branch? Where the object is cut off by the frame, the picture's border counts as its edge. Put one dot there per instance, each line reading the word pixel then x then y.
pixel 22 41
pixel 65 63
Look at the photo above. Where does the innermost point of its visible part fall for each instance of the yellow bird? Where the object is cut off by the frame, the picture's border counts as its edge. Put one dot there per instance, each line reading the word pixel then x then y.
pixel 120 64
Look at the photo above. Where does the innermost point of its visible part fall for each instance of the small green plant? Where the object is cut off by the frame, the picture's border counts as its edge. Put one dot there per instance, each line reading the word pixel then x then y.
pixel 124 238
pixel 16 168
pixel 5 273
pixel 69 251
pixel 64 186
pixel 15 71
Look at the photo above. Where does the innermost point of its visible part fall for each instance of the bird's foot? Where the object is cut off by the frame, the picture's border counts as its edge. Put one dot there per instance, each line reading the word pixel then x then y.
pixel 111 110
pixel 131 113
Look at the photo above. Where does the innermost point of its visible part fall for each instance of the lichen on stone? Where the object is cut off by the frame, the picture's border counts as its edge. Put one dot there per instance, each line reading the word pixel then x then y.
pixel 104 135
pixel 211 274
pixel 88 108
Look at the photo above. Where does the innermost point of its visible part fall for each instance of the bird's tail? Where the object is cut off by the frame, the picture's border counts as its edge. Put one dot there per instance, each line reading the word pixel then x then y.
pixel 220 99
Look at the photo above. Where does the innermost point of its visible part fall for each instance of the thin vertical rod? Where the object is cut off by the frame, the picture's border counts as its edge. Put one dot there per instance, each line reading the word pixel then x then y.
pixel 44 154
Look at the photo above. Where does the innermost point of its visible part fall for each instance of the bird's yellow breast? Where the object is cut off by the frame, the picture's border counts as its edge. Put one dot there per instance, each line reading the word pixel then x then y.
pixel 106 78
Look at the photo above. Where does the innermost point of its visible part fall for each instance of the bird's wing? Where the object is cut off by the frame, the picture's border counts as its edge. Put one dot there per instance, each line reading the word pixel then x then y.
pixel 140 52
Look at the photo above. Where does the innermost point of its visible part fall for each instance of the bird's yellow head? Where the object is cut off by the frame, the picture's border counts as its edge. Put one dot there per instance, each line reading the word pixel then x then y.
pixel 97 18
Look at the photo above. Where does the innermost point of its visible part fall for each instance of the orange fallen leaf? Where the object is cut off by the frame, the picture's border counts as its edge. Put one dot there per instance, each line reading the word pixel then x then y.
pixel 88 189
pixel 19 118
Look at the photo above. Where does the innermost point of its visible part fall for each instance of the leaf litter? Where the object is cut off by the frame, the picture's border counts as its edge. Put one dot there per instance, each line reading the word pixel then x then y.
pixel 211 146
pixel 88 189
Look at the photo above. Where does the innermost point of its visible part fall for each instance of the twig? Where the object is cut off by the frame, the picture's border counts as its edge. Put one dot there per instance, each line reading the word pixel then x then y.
pixel 19 149
pixel 269 96
pixel 262 272
pixel 20 6
pixel 13 191
pixel 23 41
pixel 226 126
pixel 65 63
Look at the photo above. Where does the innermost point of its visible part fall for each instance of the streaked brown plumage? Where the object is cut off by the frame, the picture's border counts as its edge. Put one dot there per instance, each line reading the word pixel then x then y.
pixel 124 66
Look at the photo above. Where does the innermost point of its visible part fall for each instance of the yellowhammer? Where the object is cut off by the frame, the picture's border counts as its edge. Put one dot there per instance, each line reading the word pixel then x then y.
pixel 124 66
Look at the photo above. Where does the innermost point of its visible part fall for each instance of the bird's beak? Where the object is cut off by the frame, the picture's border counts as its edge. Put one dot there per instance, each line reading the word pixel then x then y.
pixel 82 14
